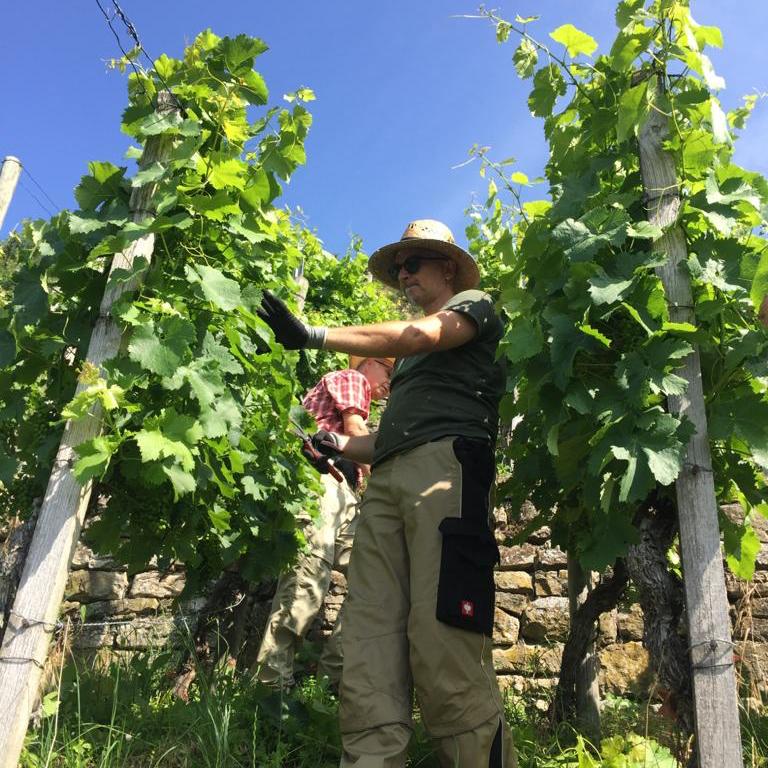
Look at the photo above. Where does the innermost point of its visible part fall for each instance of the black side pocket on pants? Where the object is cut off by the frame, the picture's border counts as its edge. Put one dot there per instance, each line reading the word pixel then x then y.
pixel 466 591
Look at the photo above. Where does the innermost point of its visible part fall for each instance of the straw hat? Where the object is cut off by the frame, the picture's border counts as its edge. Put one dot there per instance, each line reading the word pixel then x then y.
pixel 355 361
pixel 429 235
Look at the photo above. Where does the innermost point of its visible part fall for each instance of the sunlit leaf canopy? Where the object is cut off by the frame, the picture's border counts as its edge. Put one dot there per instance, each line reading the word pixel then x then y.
pixel 197 461
pixel 592 349
pixel 197 410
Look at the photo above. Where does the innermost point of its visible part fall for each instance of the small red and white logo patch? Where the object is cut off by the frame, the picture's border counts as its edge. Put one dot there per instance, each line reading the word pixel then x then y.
pixel 467 609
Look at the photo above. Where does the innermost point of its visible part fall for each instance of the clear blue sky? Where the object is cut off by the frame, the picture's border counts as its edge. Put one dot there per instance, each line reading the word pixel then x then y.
pixel 403 90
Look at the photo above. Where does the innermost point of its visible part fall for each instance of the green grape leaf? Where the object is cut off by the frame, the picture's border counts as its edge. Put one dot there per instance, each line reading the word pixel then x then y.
pixel 708 36
pixel 629 44
pixel 253 88
pixel 241 50
pixel 220 290
pixel 628 11
pixel 205 383
pixel 665 463
pixel 595 334
pixel 183 482
pixel 574 40
pixel 180 427
pixel 644 230
pixel 255 486
pixel 566 341
pixel 652 450
pixel 739 190
pixel 155 445
pixel 29 298
pixel 633 109
pixel 224 415
pixel 608 537
pixel 217 207
pixel 578 242
pixel 720 130
pixel 94 458
pixel 525 57
pixel 605 289
pixel 759 288
pixel 522 340
pixel 103 184
pixel 152 172
pixel 161 347
pixel 698 152
pixel 220 355
pixel 257 190
pixel 743 413
pixel 742 545
pixel 82 225
pixel 227 173
pixel 548 84
pixel 154 124
pixel 220 517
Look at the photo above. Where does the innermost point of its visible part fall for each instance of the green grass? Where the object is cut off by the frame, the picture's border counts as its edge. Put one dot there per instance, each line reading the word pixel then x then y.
pixel 124 716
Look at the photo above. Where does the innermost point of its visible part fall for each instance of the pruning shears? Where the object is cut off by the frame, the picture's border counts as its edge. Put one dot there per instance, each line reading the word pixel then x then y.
pixel 314 453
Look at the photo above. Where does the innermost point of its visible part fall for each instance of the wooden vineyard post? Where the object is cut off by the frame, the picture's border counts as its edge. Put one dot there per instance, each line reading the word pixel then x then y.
pixel 41 588
pixel 716 713
pixel 9 176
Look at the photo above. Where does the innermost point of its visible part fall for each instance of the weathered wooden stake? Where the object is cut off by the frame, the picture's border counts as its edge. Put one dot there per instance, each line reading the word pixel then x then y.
pixel 41 589
pixel 716 712
pixel 9 176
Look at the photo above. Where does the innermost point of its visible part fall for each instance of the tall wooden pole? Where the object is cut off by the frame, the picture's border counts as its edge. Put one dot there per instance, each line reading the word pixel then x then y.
pixel 9 177
pixel 716 712
pixel 41 589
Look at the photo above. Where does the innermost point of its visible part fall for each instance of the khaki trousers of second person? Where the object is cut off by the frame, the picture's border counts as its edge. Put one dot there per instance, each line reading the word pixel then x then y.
pixel 393 642
pixel 300 591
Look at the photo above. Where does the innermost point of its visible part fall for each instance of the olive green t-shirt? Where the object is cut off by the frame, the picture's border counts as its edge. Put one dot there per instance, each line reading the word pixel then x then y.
pixel 453 392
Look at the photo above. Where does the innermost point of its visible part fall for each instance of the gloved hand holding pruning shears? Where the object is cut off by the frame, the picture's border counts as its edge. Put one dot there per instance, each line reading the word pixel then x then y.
pixel 319 449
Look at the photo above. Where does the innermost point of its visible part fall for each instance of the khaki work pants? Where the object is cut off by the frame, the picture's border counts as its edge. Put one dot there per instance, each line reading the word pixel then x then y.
pixel 301 590
pixel 393 643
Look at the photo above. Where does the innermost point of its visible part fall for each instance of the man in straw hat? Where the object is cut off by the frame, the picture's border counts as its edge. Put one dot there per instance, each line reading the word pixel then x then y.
pixel 419 611
pixel 340 402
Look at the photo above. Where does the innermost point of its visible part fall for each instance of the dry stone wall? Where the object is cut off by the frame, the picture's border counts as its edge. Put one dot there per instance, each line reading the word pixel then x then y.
pixel 114 612
pixel 111 610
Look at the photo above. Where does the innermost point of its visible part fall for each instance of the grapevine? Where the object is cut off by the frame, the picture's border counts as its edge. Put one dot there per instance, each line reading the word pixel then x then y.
pixel 197 462
pixel 591 350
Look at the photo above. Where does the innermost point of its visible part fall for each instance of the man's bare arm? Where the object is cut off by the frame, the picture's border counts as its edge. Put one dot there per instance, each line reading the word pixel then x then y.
pixel 355 426
pixel 359 448
pixel 400 338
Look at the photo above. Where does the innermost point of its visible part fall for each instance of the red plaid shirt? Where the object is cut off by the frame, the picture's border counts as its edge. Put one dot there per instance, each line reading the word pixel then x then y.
pixel 337 393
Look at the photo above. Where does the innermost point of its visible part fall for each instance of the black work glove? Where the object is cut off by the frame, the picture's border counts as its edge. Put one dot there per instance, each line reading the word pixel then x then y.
pixel 326 443
pixel 315 458
pixel 288 329
pixel 319 448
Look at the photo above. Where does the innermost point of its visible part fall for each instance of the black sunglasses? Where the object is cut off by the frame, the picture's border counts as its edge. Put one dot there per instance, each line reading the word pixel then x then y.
pixel 412 264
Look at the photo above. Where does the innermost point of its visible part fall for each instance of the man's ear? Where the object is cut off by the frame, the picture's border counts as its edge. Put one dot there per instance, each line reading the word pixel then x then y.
pixel 449 270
